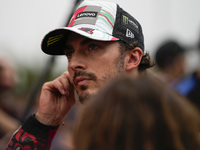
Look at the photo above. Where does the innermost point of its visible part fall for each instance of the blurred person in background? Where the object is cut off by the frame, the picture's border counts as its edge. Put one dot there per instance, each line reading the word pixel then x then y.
pixel 170 63
pixel 137 114
pixel 101 42
pixel 190 85
pixel 8 79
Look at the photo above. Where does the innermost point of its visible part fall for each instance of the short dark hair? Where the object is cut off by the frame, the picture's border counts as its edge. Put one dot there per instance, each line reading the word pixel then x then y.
pixel 146 61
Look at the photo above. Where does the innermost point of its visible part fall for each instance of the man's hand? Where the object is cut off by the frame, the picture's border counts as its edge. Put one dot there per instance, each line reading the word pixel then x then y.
pixel 56 99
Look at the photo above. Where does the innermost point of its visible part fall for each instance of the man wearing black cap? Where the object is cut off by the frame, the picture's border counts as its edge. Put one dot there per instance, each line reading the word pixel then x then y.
pixel 101 42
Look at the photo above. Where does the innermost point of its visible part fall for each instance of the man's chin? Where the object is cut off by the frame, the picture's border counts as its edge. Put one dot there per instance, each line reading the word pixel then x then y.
pixel 83 98
pixel 86 92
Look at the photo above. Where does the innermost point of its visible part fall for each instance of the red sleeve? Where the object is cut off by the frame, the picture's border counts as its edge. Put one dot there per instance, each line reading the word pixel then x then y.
pixel 32 135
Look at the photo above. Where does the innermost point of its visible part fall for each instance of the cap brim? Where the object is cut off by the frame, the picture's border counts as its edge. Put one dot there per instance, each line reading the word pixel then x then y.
pixel 54 42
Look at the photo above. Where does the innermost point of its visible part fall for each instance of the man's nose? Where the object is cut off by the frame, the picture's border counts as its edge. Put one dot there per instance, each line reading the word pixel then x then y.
pixel 77 62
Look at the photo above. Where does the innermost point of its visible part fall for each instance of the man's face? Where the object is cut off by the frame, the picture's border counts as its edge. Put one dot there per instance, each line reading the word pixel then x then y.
pixel 92 63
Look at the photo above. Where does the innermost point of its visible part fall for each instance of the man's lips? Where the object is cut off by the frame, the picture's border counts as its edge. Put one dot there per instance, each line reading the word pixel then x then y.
pixel 81 81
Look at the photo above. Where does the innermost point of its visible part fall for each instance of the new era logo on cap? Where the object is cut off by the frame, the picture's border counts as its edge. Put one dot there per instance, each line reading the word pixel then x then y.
pixel 129 33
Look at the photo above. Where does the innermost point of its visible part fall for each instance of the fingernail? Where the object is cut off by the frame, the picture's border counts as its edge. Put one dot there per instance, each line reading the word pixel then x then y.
pixel 65 92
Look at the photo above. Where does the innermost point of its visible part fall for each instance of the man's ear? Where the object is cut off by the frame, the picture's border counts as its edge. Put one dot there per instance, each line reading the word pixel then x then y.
pixel 133 58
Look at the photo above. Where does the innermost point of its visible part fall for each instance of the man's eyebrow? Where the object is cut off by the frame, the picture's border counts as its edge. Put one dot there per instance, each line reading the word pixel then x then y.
pixel 86 41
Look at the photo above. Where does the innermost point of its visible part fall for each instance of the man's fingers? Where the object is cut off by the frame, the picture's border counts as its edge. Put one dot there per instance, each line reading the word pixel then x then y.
pixel 66 74
pixel 65 83
pixel 56 86
pixel 62 87
pixel 61 84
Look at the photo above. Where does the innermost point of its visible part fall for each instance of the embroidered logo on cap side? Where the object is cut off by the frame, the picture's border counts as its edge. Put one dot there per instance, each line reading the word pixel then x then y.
pixel 54 39
pixel 130 23
pixel 125 19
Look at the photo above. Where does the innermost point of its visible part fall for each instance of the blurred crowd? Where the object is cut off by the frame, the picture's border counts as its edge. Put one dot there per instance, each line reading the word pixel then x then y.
pixel 8 80
pixel 171 69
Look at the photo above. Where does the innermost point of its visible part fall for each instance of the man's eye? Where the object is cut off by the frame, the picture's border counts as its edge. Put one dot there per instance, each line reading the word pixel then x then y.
pixel 93 46
pixel 69 54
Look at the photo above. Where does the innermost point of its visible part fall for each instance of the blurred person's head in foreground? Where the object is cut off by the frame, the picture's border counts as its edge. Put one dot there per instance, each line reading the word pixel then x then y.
pixel 137 114
pixel 101 41
pixel 170 58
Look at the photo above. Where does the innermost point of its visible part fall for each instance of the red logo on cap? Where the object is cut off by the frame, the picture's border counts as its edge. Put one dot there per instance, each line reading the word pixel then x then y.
pixel 88 30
